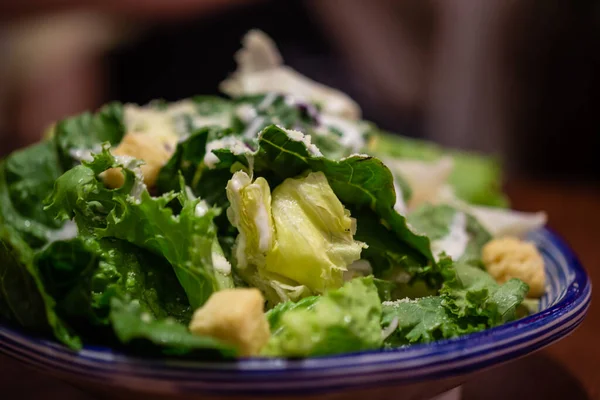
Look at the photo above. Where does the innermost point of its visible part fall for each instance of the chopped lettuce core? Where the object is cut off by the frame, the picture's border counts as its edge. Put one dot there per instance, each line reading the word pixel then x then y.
pixel 301 233
pixel 314 234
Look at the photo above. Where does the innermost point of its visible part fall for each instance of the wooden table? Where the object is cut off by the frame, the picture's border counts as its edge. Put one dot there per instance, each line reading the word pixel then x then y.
pixel 569 369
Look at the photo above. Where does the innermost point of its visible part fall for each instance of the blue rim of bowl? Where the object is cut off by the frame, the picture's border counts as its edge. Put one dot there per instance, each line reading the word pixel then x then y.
pixel 267 376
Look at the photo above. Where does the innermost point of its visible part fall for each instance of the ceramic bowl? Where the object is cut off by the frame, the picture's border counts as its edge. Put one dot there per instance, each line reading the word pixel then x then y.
pixel 419 371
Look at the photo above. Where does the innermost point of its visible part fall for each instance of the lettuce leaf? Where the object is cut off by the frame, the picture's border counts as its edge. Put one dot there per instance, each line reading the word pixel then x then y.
pixel 30 174
pixel 110 289
pixel 343 320
pixel 472 292
pixel 476 179
pixel 25 177
pixel 131 214
pixel 186 160
pixel 23 298
pixel 136 327
pixel 470 301
pixel 358 181
pixel 423 320
pixel 83 274
pixel 75 137
pixel 439 223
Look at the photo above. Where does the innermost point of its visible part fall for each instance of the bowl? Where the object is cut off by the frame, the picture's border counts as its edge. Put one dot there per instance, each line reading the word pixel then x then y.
pixel 419 371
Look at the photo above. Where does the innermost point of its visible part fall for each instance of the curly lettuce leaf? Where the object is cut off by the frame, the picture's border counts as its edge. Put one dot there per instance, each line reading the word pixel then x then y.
pixel 423 320
pixel 314 234
pixel 76 136
pixel 131 214
pixel 469 301
pixel 471 292
pixel 342 320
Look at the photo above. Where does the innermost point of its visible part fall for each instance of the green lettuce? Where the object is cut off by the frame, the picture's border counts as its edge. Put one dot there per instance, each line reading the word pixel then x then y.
pixel 26 177
pixel 475 178
pixel 471 292
pixel 300 238
pixel 254 113
pixel 469 301
pixel 84 273
pixel 438 223
pixel 129 213
pixel 422 320
pixel 342 320
pixel 23 298
pixel 135 326
pixel 75 137
pixel 358 181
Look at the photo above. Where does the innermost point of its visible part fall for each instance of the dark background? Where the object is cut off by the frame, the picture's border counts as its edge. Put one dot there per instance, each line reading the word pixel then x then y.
pixel 545 91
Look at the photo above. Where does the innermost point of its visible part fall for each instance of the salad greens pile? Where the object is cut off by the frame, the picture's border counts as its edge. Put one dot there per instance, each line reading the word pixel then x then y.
pixel 122 223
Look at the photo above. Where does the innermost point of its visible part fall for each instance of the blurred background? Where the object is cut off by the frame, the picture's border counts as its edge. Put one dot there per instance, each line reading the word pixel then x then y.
pixel 520 79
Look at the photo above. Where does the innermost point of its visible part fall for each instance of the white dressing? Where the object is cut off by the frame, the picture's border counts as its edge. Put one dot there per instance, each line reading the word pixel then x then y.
pixel 455 243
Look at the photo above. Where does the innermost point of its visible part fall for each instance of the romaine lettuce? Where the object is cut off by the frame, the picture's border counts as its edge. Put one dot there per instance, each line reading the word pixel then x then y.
pixel 342 320
pixel 301 235
pixel 453 232
pixel 76 137
pixel 130 213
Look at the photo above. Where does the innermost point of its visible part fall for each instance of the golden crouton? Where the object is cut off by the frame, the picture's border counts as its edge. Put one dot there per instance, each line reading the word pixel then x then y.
pixel 508 257
pixel 234 316
pixel 154 151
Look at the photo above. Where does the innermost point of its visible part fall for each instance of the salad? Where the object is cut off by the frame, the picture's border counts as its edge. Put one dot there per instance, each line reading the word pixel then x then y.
pixel 271 221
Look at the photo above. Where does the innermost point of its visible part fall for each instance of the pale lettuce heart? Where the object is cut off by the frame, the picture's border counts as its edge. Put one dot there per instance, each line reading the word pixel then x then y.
pixel 250 213
pixel 315 240
pixel 301 234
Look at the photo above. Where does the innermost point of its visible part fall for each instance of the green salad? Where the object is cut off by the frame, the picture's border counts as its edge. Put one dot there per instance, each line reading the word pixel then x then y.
pixel 272 221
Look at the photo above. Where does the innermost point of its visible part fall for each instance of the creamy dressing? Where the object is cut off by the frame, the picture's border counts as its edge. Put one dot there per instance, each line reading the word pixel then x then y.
pixel 246 113
pixel 390 328
pixel 139 186
pixel 298 136
pixel 201 209
pixel 67 232
pixel 352 135
pixel 234 186
pixel 455 243
pixel 232 143
pixel 85 154
pixel 268 100
pixel 357 269
pixel 149 120
pixel 263 227
pixel 221 264
pixel 253 127
pixel 400 206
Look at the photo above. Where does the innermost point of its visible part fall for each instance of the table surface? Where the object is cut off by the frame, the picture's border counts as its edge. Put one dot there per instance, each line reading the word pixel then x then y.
pixel 569 369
